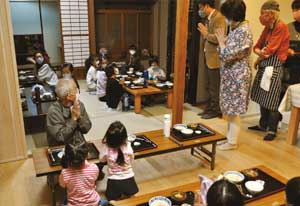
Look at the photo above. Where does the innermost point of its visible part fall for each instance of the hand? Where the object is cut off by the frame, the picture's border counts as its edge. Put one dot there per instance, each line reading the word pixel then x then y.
pixel 220 34
pixel 291 52
pixel 203 29
pixel 256 63
pixel 260 53
pixel 75 111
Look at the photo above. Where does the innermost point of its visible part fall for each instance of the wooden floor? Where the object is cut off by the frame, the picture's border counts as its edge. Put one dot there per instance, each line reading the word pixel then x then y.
pixel 19 186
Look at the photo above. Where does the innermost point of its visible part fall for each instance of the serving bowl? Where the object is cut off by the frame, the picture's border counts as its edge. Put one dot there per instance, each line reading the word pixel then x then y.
pixel 159 201
pixel 255 187
pixel 131 137
pixel 234 176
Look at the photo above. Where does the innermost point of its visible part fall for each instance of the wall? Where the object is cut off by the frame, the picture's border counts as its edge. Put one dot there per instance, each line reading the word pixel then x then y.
pixel 160 31
pixel 26 20
pixel 12 135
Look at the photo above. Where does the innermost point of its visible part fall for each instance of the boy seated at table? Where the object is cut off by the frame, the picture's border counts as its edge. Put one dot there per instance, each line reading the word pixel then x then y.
pixel 114 90
pixel 155 71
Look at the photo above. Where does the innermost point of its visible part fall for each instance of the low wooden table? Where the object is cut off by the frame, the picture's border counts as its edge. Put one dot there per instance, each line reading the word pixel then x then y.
pixel 138 93
pixel 268 200
pixel 164 145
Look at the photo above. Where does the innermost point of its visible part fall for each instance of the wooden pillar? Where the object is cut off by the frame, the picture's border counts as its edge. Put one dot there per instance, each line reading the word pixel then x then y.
pixel 92 32
pixel 12 134
pixel 180 59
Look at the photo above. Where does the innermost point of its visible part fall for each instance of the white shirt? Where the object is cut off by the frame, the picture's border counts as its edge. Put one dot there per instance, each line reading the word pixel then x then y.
pixel 156 71
pixel 91 76
pixel 101 83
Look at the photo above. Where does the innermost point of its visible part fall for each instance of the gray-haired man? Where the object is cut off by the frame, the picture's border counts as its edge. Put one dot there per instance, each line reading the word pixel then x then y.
pixel 67 119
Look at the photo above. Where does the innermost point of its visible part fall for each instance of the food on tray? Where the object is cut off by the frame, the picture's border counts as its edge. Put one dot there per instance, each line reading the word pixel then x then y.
pixel 198 132
pixel 192 125
pixel 178 195
pixel 187 131
pixel 179 127
pixel 159 201
pixel 250 173
pixel 255 187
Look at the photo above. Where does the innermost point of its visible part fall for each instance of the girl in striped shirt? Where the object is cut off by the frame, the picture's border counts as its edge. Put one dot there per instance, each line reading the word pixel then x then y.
pixel 118 154
pixel 80 177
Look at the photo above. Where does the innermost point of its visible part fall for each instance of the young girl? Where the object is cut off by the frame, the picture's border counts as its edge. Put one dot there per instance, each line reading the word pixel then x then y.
pixel 80 177
pixel 67 71
pixel 91 64
pixel 118 154
pixel 44 71
pixel 102 80
pixel 114 90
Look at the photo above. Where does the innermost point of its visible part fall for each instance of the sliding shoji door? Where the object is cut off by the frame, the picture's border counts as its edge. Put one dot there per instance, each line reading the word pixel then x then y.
pixel 75 31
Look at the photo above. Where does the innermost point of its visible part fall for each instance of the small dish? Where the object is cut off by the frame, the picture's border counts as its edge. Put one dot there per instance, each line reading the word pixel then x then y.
pixel 169 84
pixel 250 173
pixel 129 72
pixel 61 154
pixel 127 82
pixel 160 85
pixel 234 176
pixel 131 137
pixel 179 127
pixel 136 143
pixel 159 201
pixel 187 132
pixel 198 131
pixel 255 187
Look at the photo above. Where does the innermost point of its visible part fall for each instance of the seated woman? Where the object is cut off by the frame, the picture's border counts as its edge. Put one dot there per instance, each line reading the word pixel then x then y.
pixel 133 60
pixel 224 193
pixel 114 90
pixel 102 80
pixel 44 72
pixel 67 71
pixel 92 64
pixel 292 191
pixel 155 71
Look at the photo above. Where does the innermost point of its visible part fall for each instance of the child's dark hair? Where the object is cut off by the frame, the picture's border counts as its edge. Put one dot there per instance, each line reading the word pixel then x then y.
pixel 69 66
pixel 296 4
pixel 115 137
pixel 76 154
pixel 153 59
pixel 292 191
pixel 132 47
pixel 110 70
pixel 224 193
pixel 89 61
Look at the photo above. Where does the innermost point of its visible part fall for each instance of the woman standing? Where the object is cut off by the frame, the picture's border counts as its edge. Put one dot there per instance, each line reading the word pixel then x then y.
pixel 272 50
pixel 235 68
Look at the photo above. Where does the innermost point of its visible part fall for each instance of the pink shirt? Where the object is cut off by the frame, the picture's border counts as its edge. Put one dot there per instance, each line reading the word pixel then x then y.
pixel 80 184
pixel 116 171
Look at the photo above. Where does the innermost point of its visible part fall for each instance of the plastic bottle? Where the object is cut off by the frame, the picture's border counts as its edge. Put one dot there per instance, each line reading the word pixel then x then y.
pixel 167 125
pixel 125 102
pixel 146 77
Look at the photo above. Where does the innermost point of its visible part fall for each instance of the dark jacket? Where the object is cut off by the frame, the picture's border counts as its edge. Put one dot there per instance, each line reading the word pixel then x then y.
pixel 114 93
pixel 62 129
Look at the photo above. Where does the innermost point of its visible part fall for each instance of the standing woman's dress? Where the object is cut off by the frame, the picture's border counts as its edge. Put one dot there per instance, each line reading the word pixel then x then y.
pixel 236 71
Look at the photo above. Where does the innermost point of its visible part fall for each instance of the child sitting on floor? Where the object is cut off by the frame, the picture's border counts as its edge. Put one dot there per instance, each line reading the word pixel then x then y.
pixel 67 71
pixel 79 178
pixel 102 80
pixel 118 154
pixel 114 90
pixel 92 64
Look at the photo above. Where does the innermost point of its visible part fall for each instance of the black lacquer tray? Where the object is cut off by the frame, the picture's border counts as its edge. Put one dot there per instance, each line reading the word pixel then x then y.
pixel 144 143
pixel 205 132
pixel 54 159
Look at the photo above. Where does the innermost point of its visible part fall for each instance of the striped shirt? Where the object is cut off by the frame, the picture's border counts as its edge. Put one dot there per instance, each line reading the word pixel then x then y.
pixel 80 184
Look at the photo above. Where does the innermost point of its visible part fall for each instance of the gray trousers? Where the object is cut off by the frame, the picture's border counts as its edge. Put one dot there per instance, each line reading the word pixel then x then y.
pixel 213 88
